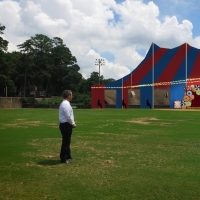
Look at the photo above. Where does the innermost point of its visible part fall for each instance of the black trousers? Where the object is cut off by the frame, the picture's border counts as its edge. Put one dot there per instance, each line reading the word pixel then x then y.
pixel 66 131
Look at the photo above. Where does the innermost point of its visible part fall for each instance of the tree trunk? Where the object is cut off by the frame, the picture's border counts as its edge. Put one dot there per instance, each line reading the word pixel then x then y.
pixel 47 87
pixel 25 82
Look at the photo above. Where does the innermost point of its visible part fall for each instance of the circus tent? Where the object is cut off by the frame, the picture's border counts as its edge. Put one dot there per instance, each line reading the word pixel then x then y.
pixel 175 71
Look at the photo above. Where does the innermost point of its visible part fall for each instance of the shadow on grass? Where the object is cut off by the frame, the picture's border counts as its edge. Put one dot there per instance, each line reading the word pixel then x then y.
pixel 49 162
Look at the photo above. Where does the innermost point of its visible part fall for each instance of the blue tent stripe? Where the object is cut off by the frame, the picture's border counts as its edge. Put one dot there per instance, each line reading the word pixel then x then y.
pixel 118 83
pixel 163 62
pixel 159 66
pixel 191 58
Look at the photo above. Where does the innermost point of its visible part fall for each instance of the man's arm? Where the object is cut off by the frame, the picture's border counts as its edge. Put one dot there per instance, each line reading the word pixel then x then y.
pixel 69 114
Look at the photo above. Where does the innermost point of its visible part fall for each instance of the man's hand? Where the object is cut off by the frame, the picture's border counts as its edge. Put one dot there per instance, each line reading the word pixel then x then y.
pixel 74 126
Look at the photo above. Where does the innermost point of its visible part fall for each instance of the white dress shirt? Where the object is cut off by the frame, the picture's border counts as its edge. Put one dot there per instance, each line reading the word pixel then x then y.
pixel 66 113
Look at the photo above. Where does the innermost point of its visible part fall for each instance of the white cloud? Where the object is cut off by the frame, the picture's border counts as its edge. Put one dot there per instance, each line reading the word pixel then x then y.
pixel 89 27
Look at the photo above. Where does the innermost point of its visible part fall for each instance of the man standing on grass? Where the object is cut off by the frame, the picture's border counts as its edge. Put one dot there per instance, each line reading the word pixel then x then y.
pixel 66 118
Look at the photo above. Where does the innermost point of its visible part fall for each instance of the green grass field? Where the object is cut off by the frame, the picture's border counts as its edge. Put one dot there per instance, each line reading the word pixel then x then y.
pixel 135 154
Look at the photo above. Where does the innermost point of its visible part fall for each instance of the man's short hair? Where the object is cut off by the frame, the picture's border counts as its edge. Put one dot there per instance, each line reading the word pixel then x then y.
pixel 66 93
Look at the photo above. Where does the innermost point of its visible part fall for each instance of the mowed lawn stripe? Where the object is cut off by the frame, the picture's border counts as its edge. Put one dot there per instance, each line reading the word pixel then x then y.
pixel 122 154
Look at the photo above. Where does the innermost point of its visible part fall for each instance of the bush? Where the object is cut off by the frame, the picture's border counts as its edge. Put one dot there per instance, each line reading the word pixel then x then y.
pixel 43 102
pixel 81 99
pixel 28 100
pixel 53 101
pixel 78 99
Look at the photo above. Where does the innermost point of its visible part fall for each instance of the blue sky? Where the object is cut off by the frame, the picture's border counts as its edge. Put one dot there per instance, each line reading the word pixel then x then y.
pixel 119 31
pixel 182 9
pixel 177 8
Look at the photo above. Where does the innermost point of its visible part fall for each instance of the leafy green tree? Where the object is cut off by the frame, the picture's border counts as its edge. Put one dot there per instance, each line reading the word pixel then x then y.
pixel 25 61
pixel 84 86
pixel 105 81
pixel 52 65
pixel 3 43
pixel 43 46
pixel 26 47
pixel 94 78
pixel 36 61
pixel 44 64
pixel 65 70
pixel 6 83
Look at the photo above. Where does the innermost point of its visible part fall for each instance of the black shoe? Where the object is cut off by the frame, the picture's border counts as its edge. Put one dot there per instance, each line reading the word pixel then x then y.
pixel 70 158
pixel 64 161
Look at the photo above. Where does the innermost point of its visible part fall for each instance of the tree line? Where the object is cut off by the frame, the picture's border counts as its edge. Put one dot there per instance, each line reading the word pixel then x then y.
pixel 43 67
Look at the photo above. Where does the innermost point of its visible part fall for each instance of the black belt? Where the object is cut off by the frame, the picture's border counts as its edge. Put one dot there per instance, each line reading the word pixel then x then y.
pixel 65 123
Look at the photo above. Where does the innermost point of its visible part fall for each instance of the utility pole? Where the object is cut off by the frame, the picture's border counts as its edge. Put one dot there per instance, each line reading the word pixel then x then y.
pixel 99 62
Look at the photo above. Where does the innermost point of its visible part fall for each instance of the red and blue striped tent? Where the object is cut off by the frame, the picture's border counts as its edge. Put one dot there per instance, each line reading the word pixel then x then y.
pixel 171 69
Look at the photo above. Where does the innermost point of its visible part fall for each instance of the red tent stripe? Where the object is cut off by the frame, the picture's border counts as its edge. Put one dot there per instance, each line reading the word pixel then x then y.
pixel 195 73
pixel 146 67
pixel 173 66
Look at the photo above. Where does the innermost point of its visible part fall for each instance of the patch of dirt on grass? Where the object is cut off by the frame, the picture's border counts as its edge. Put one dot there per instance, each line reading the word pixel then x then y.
pixel 144 121
pixel 46 152
pixel 105 125
pixel 49 156
pixel 109 161
pixel 53 125
pixel 165 124
pixel 102 133
pixel 34 142
pixel 15 125
pixel 32 164
pixel 148 121
pixel 21 123
pixel 121 136
pixel 33 123
pixel 46 148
